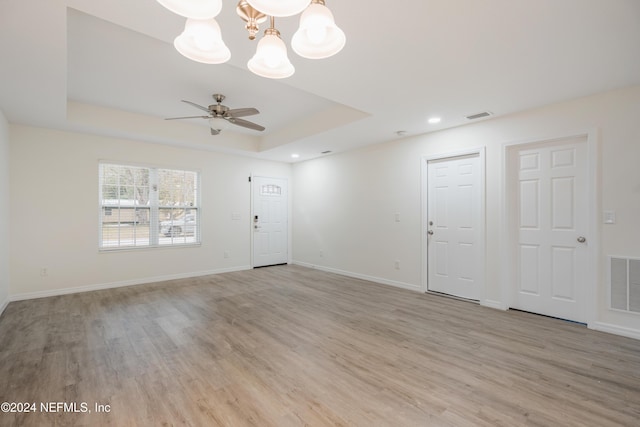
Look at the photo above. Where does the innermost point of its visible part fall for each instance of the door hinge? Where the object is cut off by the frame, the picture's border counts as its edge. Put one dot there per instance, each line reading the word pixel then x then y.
pixel 249 179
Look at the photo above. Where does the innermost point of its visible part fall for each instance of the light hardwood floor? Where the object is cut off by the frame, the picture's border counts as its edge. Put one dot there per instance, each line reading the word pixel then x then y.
pixel 290 346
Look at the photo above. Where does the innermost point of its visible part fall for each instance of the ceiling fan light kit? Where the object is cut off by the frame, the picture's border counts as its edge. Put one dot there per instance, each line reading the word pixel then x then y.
pixel 218 124
pixel 318 36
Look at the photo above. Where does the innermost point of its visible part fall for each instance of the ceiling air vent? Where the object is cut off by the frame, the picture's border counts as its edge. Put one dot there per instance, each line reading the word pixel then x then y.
pixel 478 115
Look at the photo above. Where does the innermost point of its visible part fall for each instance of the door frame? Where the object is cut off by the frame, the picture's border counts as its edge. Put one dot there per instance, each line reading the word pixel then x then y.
pixel 251 214
pixel 424 192
pixel 508 236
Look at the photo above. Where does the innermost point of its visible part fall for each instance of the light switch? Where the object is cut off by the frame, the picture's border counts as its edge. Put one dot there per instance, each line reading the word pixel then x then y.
pixel 609 217
pixel 397 216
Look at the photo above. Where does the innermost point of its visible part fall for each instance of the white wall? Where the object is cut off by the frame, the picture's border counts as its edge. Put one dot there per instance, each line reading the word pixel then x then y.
pixel 4 212
pixel 54 211
pixel 345 204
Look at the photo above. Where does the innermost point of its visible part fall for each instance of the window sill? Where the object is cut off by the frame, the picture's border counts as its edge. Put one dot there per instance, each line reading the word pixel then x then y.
pixel 143 248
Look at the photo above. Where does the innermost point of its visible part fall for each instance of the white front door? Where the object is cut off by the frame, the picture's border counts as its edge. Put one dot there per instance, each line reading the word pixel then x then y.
pixel 269 221
pixel 454 212
pixel 551 219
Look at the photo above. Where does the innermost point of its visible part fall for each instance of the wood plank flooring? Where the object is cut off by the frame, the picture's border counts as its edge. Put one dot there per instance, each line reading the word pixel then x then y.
pixel 290 346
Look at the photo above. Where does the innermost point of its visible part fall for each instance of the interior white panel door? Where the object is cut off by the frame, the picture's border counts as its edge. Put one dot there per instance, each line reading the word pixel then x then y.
pixel 454 215
pixel 270 221
pixel 552 203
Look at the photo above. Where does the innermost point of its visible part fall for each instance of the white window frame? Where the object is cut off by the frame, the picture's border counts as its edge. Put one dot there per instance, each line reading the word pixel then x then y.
pixel 155 239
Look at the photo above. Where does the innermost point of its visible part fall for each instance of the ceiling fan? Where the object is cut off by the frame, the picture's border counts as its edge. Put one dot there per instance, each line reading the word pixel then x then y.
pixel 219 115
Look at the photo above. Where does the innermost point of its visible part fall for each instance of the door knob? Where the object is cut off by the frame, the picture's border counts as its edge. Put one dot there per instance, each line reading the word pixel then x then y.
pixel 430 232
pixel 582 239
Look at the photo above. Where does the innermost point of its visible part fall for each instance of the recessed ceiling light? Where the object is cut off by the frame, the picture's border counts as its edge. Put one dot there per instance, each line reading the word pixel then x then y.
pixel 434 120
pixel 295 156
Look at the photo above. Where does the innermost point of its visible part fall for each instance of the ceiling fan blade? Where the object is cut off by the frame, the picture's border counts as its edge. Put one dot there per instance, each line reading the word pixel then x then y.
pixel 214 131
pixel 188 117
pixel 242 112
pixel 196 105
pixel 246 124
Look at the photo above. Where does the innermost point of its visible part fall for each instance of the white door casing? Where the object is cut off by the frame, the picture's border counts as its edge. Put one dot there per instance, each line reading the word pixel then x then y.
pixel 454 221
pixel 269 221
pixel 550 224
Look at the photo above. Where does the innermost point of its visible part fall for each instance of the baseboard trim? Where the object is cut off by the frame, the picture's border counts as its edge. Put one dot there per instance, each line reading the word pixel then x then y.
pixel 493 304
pixel 379 280
pixel 614 329
pixel 120 284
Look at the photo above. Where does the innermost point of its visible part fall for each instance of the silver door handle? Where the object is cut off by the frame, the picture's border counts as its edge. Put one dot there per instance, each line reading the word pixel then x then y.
pixel 582 239
pixel 430 232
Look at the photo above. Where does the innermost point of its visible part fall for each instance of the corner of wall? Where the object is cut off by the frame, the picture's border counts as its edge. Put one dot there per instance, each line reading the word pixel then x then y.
pixel 374 279
pixel 4 212
pixel 3 305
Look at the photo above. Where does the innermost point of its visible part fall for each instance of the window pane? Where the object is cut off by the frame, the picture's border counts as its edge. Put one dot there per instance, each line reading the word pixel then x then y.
pixel 178 226
pixel 110 175
pixel 146 206
pixel 126 193
pixel 177 188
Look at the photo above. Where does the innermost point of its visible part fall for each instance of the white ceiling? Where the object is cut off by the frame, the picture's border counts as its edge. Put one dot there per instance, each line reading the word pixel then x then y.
pixel 109 67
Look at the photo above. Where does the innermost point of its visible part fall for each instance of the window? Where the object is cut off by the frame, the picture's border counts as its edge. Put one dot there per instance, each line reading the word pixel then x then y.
pixel 147 207
pixel 271 190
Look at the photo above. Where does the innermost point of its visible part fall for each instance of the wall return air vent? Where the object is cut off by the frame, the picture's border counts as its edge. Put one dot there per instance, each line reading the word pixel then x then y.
pixel 624 276
pixel 479 115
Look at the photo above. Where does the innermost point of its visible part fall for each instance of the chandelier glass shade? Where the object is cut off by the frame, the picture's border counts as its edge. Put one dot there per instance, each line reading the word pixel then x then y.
pixel 198 9
pixel 201 41
pixel 318 36
pixel 271 59
pixel 279 8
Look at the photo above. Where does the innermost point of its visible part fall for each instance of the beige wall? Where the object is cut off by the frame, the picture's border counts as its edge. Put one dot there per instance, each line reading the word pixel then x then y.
pixel 345 204
pixel 54 212
pixel 4 211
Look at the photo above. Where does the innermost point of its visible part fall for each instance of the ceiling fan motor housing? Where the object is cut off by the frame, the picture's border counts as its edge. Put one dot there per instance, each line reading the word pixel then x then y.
pixel 220 115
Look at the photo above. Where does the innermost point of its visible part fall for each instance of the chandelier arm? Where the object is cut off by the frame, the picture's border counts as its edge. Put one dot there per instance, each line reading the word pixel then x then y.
pixel 201 40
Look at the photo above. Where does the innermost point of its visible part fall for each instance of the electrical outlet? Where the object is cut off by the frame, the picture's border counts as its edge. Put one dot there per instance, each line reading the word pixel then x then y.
pixel 397 265
pixel 321 253
pixel 43 272
pixel 226 254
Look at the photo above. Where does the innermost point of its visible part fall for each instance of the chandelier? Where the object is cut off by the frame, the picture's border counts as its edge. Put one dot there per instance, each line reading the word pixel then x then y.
pixel 317 36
